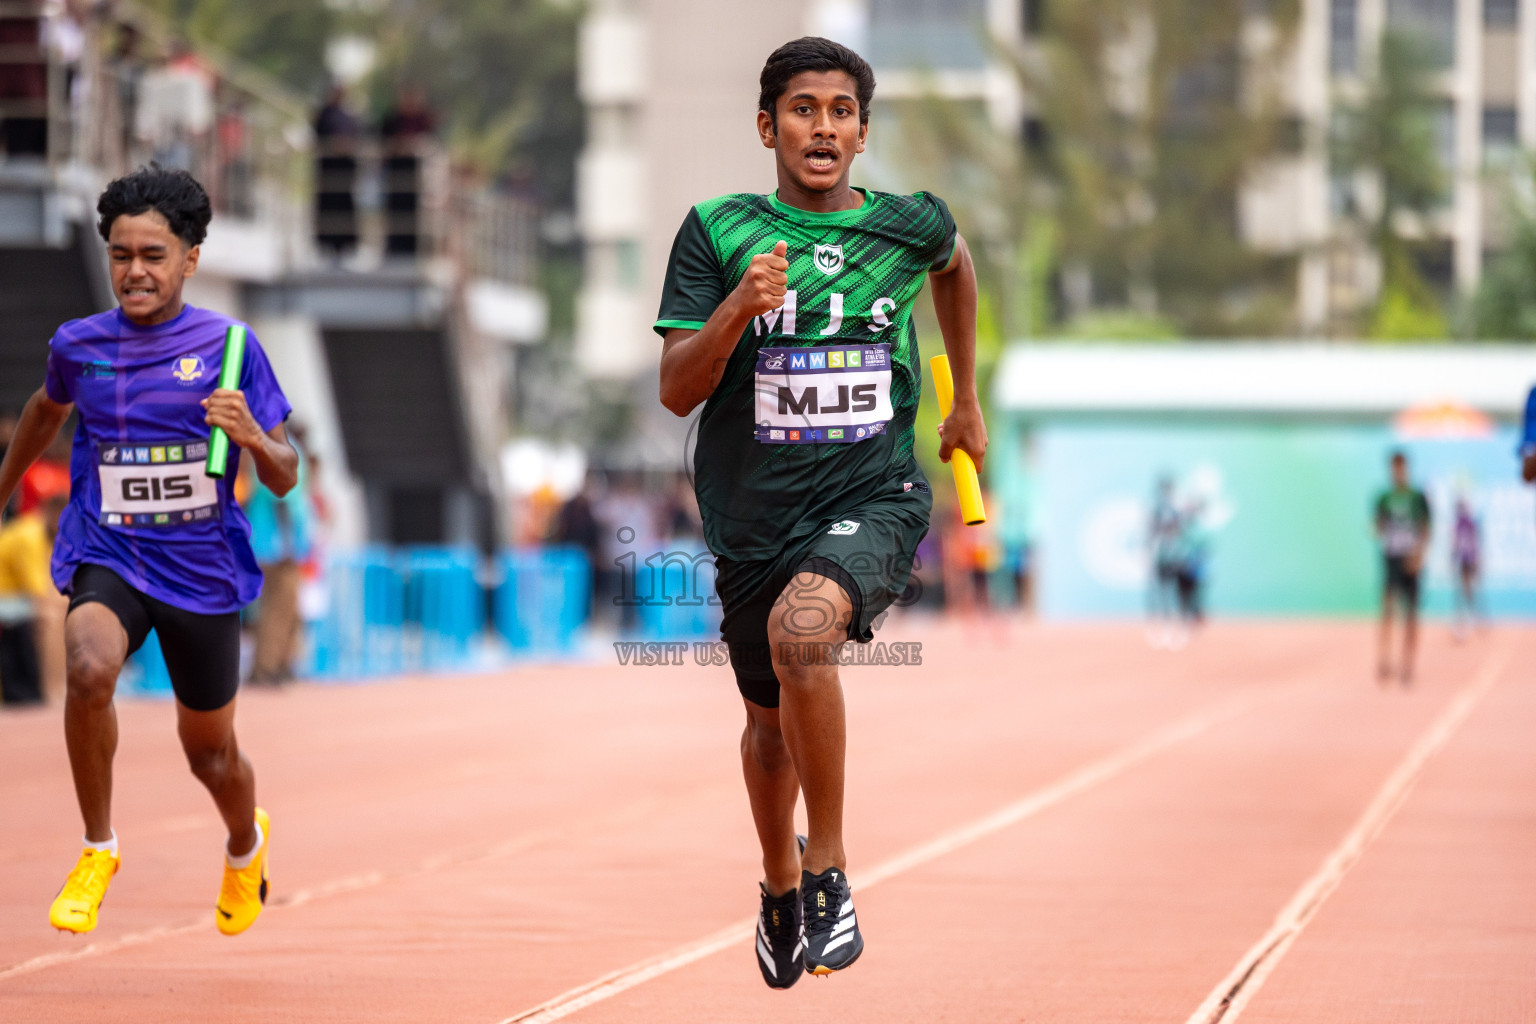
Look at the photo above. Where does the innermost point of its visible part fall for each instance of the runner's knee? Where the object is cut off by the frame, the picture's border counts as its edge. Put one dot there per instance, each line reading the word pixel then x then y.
pixel 211 765
pixel 763 742
pixel 91 676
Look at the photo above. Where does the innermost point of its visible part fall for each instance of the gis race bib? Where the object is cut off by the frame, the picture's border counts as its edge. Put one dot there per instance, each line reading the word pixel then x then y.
pixel 837 393
pixel 155 485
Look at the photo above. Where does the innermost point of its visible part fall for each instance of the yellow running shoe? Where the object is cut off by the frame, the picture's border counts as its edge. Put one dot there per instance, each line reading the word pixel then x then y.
pixel 245 889
pixel 74 909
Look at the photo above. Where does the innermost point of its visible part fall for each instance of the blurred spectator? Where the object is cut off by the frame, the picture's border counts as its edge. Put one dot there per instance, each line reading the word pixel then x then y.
pixel 280 539
pixel 49 475
pixel 576 525
pixel 627 525
pixel 236 178
pixel 1190 555
pixel 314 590
pixel 336 137
pixel 1402 522
pixel 175 109
pixel 125 65
pixel 31 623
pixel 982 556
pixel 66 41
pixel 1017 559
pixel 1162 541
pixel 1466 553
pixel 23 85
pixel 406 124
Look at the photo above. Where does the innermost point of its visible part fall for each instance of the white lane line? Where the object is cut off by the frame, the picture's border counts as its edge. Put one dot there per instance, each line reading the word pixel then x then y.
pixel 39 963
pixel 1085 778
pixel 1227 1000
pixel 337 887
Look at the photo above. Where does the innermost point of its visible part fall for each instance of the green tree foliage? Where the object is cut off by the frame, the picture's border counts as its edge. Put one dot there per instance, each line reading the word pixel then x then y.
pixel 1387 138
pixel 1504 306
pixel 1149 115
pixel 1154 114
pixel 284 38
pixel 502 73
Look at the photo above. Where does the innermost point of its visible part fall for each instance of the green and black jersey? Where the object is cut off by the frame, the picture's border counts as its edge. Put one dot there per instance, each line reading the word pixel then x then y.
pixel 1402 518
pixel 815 410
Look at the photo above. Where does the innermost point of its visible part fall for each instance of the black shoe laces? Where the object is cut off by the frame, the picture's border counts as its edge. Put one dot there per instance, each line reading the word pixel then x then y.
pixel 783 934
pixel 836 893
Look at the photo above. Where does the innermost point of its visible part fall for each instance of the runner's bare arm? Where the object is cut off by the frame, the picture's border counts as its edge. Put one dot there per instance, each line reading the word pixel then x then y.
pixel 39 425
pixel 1528 467
pixel 692 362
pixel 277 464
pixel 954 300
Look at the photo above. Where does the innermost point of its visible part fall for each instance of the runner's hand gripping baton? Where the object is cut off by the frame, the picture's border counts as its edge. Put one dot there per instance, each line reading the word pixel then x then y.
pixel 229 380
pixel 967 486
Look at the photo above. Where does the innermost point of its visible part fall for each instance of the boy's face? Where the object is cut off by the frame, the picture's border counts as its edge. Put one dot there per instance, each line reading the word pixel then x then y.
pixel 818 131
pixel 149 267
pixel 1400 472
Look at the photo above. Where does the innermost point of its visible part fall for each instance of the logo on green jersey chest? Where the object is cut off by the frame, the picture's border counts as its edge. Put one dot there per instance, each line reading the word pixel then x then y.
pixel 787 319
pixel 828 259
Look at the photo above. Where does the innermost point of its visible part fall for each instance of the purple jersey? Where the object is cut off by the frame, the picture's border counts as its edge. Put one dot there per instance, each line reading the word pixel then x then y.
pixel 140 502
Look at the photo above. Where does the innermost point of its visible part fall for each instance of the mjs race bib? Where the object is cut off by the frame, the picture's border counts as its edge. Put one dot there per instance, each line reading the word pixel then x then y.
pixel 836 394
pixel 155 485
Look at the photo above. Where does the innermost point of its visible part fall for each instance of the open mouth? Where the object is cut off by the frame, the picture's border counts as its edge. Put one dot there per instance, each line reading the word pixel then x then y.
pixel 138 293
pixel 821 159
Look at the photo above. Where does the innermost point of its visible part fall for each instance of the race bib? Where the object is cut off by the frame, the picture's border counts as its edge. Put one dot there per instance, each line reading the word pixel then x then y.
pixel 155 485
pixel 837 394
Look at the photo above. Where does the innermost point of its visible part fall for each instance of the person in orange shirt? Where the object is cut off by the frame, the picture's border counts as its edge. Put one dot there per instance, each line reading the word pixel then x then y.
pixel 27 595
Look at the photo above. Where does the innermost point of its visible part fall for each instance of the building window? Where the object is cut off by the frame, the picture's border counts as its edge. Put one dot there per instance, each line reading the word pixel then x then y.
pixel 1032 17
pixel 1501 13
pixel 1343 36
pixel 1501 133
pixel 1037 139
pixel 937 35
pixel 1430 20
pixel 1433 21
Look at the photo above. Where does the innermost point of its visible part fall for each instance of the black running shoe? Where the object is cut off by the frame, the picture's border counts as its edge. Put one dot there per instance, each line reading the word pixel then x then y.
pixel 781 936
pixel 780 939
pixel 832 939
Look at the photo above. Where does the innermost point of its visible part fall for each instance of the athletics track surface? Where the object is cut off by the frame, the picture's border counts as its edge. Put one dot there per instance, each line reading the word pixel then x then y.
pixel 1045 824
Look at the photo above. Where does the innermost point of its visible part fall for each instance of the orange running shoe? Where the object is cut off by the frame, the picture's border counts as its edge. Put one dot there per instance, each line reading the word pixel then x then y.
pixel 74 909
pixel 244 891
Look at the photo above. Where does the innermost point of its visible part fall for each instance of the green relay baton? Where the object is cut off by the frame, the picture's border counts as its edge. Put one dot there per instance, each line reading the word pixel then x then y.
pixel 229 380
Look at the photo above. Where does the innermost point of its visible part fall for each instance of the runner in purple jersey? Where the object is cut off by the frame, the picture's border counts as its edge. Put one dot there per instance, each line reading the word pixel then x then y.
pixel 150 541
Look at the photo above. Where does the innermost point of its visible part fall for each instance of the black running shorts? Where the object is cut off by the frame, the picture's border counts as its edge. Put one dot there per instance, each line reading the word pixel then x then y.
pixel 869 551
pixel 202 652
pixel 1401 581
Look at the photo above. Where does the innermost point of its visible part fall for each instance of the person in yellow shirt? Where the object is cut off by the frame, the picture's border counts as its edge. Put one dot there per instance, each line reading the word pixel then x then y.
pixel 27 597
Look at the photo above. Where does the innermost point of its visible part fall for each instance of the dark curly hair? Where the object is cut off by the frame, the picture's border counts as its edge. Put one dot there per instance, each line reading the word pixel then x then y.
pixel 174 194
pixel 813 53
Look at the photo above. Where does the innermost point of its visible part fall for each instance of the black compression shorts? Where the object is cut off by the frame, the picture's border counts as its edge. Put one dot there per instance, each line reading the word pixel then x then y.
pixel 202 652
pixel 869 551
pixel 1401 581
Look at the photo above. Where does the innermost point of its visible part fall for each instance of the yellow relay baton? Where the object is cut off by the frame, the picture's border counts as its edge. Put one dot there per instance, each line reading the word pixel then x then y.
pixel 967 486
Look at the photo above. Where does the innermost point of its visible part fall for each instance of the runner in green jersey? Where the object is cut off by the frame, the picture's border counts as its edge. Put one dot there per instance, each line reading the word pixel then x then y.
pixel 789 317
pixel 1402 528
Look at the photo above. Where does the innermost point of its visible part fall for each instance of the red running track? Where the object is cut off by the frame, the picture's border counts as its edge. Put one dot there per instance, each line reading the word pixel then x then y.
pixel 1045 824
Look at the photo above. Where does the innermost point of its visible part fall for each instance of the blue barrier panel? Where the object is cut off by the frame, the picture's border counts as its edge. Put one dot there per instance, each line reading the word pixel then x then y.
pixel 444 606
pixel 543 597
pixel 676 591
pixel 361 632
